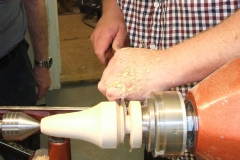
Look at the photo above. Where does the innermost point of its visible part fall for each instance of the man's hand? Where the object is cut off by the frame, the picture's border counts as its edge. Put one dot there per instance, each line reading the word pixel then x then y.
pixel 109 35
pixel 133 73
pixel 43 82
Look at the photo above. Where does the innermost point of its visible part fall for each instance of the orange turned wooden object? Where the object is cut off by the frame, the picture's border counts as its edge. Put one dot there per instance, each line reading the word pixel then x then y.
pixel 216 101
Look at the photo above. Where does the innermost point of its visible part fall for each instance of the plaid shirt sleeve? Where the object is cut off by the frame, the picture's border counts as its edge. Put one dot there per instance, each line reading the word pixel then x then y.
pixel 160 24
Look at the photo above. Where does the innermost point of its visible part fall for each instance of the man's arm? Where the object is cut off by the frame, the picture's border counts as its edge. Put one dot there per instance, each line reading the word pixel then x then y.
pixel 200 56
pixel 38 30
pixel 134 73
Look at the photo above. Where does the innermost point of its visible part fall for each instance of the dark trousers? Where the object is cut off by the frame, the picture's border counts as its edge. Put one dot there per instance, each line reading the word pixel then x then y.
pixel 17 84
pixel 17 88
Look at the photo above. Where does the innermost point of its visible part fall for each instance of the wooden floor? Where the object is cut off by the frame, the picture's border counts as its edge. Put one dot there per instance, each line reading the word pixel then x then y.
pixel 78 61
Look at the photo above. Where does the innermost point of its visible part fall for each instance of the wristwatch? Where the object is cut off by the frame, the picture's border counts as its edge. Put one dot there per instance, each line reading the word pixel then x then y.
pixel 47 63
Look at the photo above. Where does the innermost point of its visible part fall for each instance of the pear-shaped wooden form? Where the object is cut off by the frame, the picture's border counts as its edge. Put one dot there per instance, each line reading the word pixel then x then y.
pixel 104 125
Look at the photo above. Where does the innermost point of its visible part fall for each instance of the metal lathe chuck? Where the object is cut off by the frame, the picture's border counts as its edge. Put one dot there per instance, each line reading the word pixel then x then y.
pixel 16 126
pixel 164 124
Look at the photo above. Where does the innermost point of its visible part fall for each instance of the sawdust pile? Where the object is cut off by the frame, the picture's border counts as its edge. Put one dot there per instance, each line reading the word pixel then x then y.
pixel 128 76
pixel 41 154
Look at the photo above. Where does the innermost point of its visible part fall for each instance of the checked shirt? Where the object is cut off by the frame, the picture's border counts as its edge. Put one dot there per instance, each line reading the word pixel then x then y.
pixel 160 24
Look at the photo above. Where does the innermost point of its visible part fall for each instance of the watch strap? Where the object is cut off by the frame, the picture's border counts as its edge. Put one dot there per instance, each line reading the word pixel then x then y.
pixel 47 63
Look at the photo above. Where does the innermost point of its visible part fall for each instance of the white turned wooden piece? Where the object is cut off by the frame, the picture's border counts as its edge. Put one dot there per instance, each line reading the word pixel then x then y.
pixel 135 113
pixel 122 124
pixel 104 125
pixel 97 125
pixel 127 124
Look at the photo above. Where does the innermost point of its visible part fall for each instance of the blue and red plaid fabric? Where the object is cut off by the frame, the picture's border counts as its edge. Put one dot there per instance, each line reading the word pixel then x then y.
pixel 160 24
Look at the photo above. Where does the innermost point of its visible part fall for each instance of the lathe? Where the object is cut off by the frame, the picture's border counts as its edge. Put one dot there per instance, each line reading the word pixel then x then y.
pixel 206 122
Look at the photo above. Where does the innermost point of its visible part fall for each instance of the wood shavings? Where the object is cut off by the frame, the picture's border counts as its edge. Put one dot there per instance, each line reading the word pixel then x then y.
pixel 153 51
pixel 41 158
pixel 234 35
pixel 136 74
pixel 159 60
pixel 41 154
pixel 129 77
